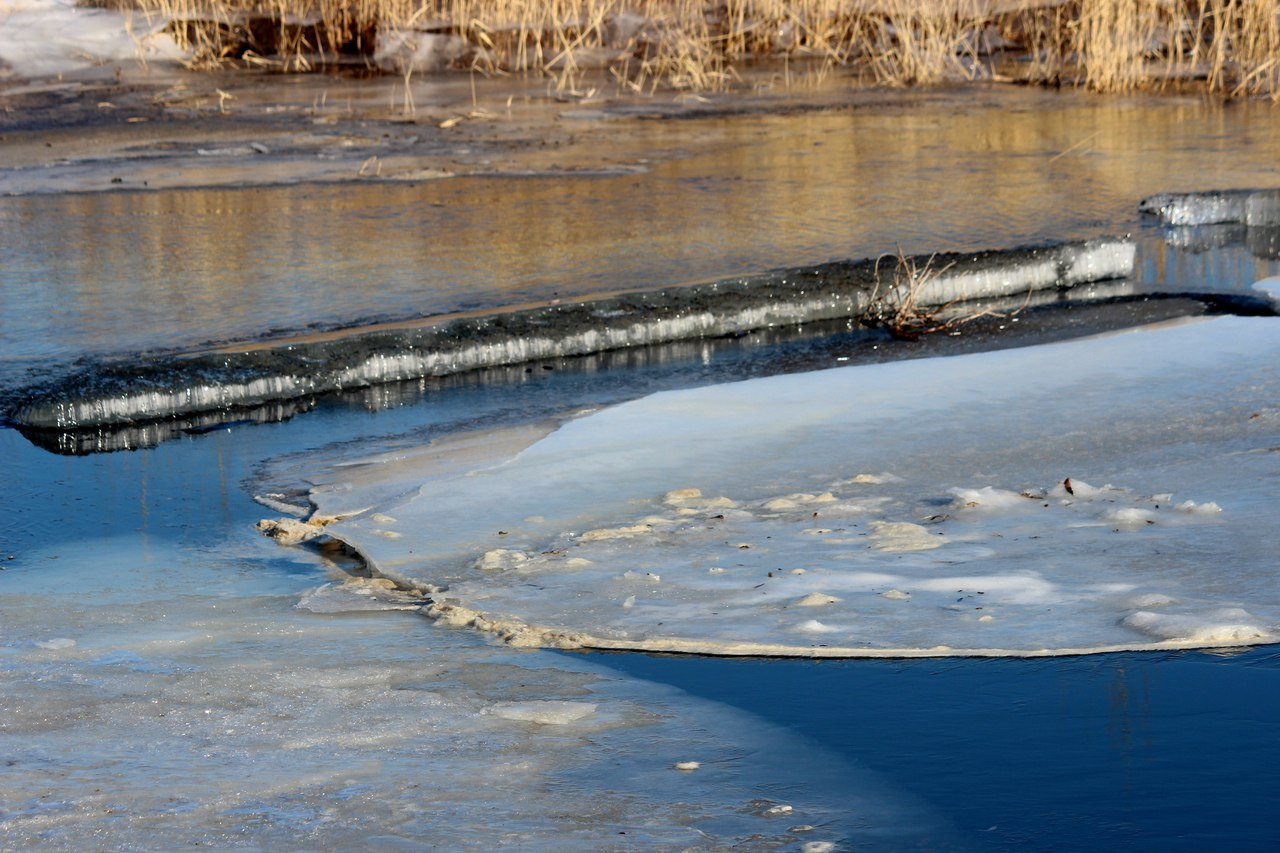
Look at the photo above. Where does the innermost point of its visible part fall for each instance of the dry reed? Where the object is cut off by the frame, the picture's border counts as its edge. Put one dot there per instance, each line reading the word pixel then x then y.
pixel 1230 47
pixel 900 303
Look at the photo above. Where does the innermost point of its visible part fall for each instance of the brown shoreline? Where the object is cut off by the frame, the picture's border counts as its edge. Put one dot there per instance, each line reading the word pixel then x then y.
pixel 151 129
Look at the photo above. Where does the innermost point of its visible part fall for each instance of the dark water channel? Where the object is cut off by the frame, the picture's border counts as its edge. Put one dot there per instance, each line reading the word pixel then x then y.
pixel 1106 752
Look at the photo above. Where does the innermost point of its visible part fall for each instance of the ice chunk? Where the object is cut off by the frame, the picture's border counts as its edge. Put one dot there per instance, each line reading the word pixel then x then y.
pixel 904 536
pixel 501 559
pixel 1206 508
pixel 545 712
pixel 1269 286
pixel 1130 518
pixel 290 531
pixel 870 479
pixel 1151 599
pixel 693 501
pixel 800 499
pixel 191 384
pixel 989 498
pixel 816 599
pixel 1214 627
pixel 1248 207
pixel 275 502
pixel 818 846
pixel 628 532
pixel 56 644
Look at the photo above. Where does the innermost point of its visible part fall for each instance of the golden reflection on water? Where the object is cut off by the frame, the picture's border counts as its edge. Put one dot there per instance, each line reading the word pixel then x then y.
pixel 719 196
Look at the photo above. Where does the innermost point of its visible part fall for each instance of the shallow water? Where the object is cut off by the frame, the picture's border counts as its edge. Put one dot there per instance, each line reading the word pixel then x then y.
pixel 191 670
pixel 714 197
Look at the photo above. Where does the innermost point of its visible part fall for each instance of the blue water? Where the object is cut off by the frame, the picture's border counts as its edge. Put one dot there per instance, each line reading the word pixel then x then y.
pixel 1110 752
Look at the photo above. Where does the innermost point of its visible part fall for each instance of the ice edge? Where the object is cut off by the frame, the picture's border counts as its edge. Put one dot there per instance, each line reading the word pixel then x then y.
pixel 832 291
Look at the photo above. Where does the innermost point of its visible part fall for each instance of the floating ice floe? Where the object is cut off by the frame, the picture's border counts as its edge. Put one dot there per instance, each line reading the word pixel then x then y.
pixel 375 728
pixel 1102 494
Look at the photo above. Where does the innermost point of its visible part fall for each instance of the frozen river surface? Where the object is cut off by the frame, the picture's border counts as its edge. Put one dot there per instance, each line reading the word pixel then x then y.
pixel 923 507
pixel 162 687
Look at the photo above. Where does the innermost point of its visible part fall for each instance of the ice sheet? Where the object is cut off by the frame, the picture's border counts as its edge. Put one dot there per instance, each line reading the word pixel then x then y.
pixel 754 518
pixel 159 715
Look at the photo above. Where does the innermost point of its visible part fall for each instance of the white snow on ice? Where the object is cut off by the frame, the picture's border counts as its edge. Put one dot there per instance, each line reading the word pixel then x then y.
pixel 42 38
pixel 1108 493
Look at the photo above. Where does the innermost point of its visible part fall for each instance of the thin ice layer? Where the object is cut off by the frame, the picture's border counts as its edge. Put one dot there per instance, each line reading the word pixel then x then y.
pixel 752 518
pixel 187 704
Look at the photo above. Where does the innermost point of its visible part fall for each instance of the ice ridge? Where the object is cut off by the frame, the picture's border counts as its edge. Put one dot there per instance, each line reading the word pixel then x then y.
pixel 218 382
pixel 1254 208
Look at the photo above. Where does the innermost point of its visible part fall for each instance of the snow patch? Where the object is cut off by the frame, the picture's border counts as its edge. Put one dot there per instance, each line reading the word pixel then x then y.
pixel 816 599
pixel 43 38
pixel 1215 627
pixel 904 536
pixel 544 712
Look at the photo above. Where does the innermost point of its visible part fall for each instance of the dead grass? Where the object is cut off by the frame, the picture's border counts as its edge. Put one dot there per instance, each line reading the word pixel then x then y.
pixel 901 302
pixel 1229 47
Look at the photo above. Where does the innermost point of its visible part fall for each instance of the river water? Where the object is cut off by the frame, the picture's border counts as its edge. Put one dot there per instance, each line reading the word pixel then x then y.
pixel 693 200
pixel 161 689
